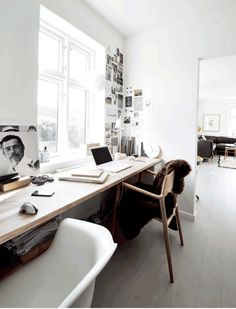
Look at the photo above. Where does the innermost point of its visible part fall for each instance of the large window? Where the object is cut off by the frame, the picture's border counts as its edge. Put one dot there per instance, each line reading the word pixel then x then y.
pixel 232 120
pixel 69 107
pixel 63 97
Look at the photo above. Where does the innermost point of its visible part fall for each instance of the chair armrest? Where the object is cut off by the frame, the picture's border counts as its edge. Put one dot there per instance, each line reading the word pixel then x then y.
pixel 127 185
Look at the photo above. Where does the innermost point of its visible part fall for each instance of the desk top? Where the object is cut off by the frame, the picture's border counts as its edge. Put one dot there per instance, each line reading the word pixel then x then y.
pixel 67 195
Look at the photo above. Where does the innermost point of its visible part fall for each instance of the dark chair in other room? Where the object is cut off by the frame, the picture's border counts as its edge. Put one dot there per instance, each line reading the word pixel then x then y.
pixel 205 148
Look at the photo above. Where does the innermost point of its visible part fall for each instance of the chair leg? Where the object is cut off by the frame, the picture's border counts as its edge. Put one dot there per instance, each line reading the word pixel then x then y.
pixel 179 226
pixel 118 196
pixel 168 253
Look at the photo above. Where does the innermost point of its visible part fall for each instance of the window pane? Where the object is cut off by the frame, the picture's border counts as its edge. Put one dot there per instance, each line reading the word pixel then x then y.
pixel 78 64
pixel 48 94
pixel 76 118
pixel 49 52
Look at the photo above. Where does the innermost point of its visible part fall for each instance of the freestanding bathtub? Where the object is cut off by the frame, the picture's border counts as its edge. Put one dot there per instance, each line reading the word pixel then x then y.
pixel 64 275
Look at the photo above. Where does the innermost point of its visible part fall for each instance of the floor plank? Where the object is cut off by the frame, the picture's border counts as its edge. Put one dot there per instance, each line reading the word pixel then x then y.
pixel 204 269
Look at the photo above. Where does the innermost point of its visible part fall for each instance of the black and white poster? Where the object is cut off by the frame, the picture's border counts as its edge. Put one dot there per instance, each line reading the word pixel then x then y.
pixel 19 150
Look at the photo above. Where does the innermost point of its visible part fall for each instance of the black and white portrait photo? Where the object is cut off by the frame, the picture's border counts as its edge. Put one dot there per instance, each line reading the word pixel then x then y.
pixel 19 153
pixel 128 101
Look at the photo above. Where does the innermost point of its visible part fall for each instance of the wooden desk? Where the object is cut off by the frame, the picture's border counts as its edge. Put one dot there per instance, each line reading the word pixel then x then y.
pixel 67 195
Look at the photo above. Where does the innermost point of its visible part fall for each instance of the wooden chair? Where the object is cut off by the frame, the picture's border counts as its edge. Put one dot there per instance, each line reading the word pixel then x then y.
pixel 166 188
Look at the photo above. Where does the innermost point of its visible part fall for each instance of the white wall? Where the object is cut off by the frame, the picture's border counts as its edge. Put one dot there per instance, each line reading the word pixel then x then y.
pixel 163 62
pixel 19 25
pixel 220 107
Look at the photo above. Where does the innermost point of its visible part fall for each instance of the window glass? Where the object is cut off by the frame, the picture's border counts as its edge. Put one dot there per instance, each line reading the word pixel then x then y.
pixel 49 52
pixel 78 64
pixel 65 94
pixel 76 118
pixel 48 95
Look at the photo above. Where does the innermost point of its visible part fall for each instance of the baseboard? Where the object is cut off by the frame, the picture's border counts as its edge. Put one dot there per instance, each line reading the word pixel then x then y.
pixel 187 215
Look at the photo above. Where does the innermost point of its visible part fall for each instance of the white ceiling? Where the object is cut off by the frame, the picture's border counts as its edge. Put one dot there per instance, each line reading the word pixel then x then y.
pixel 133 16
pixel 217 76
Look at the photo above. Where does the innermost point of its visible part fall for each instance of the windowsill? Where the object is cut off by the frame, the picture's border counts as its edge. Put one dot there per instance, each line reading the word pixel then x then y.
pixel 61 163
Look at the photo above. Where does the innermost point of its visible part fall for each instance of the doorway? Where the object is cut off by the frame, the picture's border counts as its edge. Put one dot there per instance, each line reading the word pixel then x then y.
pixel 217 113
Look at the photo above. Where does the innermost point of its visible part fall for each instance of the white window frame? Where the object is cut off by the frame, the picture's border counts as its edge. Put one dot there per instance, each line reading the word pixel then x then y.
pixel 53 33
pixel 95 125
pixel 62 76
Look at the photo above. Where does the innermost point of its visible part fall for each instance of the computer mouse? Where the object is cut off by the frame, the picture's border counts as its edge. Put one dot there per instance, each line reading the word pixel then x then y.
pixel 28 208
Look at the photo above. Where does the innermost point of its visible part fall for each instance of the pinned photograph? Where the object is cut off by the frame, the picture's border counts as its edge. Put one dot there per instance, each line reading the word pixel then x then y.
pixel 108 76
pixel 19 153
pixel 127 119
pixel 115 58
pixel 128 101
pixel 121 58
pixel 119 88
pixel 114 68
pixel 138 103
pixel 109 59
pixel 138 92
pixel 108 100
pixel 120 101
pixel 108 68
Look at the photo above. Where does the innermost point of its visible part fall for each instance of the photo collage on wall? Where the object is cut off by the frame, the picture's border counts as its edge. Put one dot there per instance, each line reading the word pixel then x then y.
pixel 133 107
pixel 19 150
pixel 114 97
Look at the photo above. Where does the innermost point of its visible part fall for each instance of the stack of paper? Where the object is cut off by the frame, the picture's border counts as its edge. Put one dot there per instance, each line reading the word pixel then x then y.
pixel 86 175
pixel 28 240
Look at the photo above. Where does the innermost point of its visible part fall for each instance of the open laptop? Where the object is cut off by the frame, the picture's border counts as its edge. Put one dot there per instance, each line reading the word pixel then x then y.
pixel 103 160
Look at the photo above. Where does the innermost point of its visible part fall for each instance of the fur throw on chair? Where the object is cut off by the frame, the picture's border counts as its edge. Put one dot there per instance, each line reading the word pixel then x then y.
pixel 136 209
pixel 181 169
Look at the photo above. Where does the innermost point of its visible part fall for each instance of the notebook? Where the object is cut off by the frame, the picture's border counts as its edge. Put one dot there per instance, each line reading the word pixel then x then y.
pixel 103 160
pixel 86 172
pixel 89 179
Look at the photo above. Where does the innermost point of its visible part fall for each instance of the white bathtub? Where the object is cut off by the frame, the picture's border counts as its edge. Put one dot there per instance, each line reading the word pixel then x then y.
pixel 65 274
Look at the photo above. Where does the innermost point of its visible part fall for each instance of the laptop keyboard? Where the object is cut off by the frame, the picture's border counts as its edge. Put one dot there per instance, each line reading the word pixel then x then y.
pixel 114 167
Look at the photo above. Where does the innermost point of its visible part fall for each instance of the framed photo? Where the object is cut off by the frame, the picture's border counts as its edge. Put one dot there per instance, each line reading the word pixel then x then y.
pixel 211 122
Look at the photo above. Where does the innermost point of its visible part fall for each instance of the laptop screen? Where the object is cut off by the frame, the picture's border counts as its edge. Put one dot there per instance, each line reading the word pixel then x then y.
pixel 101 155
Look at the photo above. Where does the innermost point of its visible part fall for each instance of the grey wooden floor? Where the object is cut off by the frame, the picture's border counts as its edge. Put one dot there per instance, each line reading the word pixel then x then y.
pixel 204 269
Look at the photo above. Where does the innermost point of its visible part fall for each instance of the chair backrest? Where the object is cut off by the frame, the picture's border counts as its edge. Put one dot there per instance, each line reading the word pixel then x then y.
pixel 168 183
pixel 205 148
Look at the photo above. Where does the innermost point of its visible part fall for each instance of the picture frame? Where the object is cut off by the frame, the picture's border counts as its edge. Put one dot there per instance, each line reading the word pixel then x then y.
pixel 211 122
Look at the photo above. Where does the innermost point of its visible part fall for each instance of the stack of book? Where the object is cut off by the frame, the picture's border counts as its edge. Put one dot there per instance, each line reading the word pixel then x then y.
pixel 128 145
pixel 13 181
pixel 86 175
